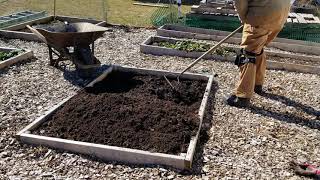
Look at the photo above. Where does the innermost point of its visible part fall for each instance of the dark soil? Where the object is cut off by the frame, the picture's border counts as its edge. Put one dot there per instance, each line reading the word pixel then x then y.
pixel 133 111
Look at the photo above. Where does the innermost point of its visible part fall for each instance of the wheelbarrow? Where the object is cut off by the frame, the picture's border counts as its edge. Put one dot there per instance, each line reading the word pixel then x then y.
pixel 73 43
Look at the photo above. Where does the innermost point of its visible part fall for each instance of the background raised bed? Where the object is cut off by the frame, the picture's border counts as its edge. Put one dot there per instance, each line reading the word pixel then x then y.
pixel 19 17
pixel 279 61
pixel 107 152
pixel 21 56
pixel 18 31
pixel 178 31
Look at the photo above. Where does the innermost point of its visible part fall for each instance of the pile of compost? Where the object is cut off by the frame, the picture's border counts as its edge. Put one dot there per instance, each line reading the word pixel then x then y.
pixel 133 111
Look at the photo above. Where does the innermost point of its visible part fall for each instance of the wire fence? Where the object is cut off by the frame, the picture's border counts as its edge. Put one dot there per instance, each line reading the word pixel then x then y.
pixel 93 9
pixel 126 12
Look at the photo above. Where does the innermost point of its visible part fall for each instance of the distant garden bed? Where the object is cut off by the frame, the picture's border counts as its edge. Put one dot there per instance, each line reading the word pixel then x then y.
pixel 186 2
pixel 9 56
pixel 161 46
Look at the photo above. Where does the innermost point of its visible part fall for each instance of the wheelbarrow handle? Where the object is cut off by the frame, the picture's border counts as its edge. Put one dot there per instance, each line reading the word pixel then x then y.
pixel 211 49
pixel 37 33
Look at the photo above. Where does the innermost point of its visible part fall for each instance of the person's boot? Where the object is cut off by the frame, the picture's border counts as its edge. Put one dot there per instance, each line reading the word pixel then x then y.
pixel 258 89
pixel 233 100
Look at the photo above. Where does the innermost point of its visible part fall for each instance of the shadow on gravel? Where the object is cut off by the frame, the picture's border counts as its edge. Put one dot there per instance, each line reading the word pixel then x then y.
pixel 73 76
pixel 286 117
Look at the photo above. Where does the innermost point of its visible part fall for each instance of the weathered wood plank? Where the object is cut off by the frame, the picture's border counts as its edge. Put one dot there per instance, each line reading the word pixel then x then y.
pixel 293 67
pixel 105 152
pixel 204 34
pixel 310 18
pixel 159 51
pixel 316 20
pixel 19 58
pixel 19 35
pixel 199 9
pixel 77 19
pixel 300 18
pixel 203 106
pixel 151 5
pixel 161 73
pixel 306 15
pixel 155 50
pixel 23 25
pixel 108 153
pixel 13 33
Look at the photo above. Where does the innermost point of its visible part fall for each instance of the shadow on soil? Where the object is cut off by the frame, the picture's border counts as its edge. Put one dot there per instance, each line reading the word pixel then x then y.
pixel 286 117
pixel 198 157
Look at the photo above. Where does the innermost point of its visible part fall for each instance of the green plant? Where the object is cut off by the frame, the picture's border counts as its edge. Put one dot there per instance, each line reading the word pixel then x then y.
pixel 7 55
pixel 191 46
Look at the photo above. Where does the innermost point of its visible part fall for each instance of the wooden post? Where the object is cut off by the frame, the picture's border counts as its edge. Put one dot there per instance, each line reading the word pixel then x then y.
pixel 104 11
pixel 54 10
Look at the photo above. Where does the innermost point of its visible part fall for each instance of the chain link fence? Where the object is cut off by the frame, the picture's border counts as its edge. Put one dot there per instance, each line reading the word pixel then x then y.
pixel 126 12
pixel 80 8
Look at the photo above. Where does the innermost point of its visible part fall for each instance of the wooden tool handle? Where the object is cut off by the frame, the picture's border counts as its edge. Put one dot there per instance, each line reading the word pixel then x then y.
pixel 211 49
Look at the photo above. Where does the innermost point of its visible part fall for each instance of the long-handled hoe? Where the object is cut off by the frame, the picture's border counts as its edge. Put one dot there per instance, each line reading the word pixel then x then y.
pixel 203 55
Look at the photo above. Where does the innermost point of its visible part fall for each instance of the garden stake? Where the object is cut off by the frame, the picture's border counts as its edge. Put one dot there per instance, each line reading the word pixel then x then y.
pixel 203 55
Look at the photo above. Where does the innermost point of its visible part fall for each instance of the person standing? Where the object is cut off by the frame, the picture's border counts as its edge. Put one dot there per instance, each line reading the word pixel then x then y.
pixel 262 20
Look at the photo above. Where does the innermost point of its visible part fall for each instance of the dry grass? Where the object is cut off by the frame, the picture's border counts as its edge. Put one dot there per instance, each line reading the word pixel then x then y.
pixel 118 11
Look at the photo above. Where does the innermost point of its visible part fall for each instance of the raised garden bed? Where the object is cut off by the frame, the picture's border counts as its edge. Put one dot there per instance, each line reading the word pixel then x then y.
pixel 308 9
pixel 291 62
pixel 151 46
pixel 129 115
pixel 191 46
pixel 9 56
pixel 177 31
pixel 19 17
pixel 20 32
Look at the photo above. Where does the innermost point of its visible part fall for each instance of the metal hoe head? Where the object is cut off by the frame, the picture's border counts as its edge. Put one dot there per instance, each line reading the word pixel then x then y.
pixel 166 78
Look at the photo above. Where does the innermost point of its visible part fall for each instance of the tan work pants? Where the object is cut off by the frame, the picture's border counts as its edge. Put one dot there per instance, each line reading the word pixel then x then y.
pixel 254 39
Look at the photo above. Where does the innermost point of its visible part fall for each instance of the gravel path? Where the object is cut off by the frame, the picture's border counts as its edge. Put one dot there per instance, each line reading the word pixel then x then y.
pixel 255 143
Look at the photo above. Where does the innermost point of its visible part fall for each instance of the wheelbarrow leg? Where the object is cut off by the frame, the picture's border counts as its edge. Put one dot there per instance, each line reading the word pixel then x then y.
pixel 92 48
pixel 51 63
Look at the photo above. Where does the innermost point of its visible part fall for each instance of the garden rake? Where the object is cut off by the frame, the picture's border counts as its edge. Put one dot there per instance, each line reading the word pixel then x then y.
pixel 203 55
